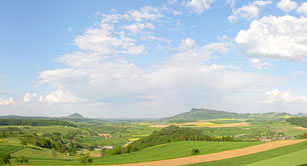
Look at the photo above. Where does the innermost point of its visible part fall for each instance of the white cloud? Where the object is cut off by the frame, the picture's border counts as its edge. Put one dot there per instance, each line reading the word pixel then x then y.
pixel 146 13
pixel 261 3
pixel 276 95
pixel 184 74
pixel 187 43
pixel 247 12
pixel 275 37
pixel 155 38
pixel 287 5
pixel 231 3
pixel 302 9
pixel 69 29
pixel 53 97
pixel 199 6
pixel 32 98
pixel 259 64
pixel 8 101
pixel 101 41
pixel 138 27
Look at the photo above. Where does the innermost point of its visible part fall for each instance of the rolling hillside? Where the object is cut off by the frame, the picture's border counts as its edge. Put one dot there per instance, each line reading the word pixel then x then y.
pixel 205 114
pixel 197 114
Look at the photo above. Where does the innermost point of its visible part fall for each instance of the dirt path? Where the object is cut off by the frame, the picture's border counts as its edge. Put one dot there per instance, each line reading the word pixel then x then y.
pixel 300 128
pixel 216 156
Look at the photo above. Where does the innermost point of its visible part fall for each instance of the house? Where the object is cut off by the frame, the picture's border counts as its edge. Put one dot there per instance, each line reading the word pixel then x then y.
pixel 107 147
pixel 104 135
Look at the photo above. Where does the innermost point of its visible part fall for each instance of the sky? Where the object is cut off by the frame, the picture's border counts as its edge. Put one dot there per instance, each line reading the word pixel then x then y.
pixel 150 59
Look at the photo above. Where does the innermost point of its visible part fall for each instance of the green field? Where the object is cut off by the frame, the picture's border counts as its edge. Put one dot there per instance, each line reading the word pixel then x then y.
pixel 34 152
pixel 107 141
pixel 295 158
pixel 173 150
pixel 281 153
pixel 10 148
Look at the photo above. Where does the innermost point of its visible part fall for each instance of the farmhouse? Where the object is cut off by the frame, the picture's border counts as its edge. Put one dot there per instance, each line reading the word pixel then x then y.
pixel 104 135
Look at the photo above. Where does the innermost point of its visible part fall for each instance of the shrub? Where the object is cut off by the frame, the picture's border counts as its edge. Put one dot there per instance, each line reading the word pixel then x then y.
pixel 22 159
pixel 194 152
pixel 4 158
pixel 84 158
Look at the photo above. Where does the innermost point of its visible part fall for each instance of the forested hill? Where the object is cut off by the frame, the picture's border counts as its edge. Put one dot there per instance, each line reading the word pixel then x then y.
pixel 204 114
pixel 34 122
pixel 299 121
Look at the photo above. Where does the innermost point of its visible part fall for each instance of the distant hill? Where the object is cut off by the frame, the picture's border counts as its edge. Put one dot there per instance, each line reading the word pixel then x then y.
pixel 205 114
pixel 271 116
pixel 75 115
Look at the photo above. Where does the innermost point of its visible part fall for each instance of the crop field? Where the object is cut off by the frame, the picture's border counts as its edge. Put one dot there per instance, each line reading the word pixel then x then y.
pixel 173 150
pixel 10 148
pixel 260 157
pixel 295 158
pixel 38 153
pixel 107 141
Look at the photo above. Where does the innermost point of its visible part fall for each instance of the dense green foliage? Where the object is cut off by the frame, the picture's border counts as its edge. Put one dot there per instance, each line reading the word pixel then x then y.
pixel 300 121
pixel 34 122
pixel 22 159
pixel 194 151
pixel 4 158
pixel 173 134
pixel 84 158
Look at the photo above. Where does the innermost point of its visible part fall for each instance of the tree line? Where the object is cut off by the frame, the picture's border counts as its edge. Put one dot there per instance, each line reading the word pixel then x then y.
pixel 299 121
pixel 34 122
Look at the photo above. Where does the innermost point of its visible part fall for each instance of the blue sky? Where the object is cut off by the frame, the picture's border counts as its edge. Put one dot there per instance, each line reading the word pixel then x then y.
pixel 152 58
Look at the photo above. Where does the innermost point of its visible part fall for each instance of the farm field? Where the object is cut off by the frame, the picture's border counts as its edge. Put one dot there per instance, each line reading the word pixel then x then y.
pixel 35 152
pixel 258 157
pixel 173 150
pixel 295 158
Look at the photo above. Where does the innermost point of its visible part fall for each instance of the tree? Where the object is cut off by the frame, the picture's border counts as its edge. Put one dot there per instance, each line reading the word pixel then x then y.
pixel 84 158
pixel 194 152
pixel 23 142
pixel 22 159
pixel 53 153
pixel 4 158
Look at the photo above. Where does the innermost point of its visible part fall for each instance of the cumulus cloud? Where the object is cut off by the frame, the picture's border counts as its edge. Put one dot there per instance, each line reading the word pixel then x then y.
pixel 302 9
pixel 199 6
pixel 183 74
pixel 231 3
pixel 259 64
pixel 247 12
pixel 53 97
pixel 8 101
pixel 276 95
pixel 138 27
pixel 287 5
pixel 275 37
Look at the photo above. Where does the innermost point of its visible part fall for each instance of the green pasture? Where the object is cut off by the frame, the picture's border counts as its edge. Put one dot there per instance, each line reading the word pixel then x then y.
pixel 261 157
pixel 172 150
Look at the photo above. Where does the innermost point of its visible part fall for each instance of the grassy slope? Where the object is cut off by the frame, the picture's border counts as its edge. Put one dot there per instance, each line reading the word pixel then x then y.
pixel 10 148
pixel 107 141
pixel 173 150
pixel 295 158
pixel 238 161
pixel 39 153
